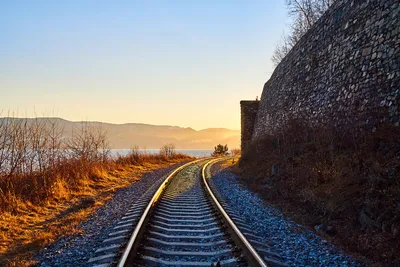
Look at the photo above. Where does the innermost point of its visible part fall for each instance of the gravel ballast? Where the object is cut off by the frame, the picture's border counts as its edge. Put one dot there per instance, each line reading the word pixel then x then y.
pixel 75 250
pixel 297 245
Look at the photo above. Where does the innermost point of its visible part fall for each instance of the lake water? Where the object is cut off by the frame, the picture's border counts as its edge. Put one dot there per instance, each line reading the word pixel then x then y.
pixel 198 153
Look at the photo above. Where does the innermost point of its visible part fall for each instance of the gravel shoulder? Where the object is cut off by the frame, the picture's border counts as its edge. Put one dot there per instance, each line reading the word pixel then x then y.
pixel 75 250
pixel 297 245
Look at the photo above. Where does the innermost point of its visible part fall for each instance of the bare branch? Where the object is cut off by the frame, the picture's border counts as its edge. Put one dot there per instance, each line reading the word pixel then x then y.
pixel 304 13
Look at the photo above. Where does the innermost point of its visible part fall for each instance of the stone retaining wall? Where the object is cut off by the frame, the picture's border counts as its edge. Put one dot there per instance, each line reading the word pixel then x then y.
pixel 248 110
pixel 345 71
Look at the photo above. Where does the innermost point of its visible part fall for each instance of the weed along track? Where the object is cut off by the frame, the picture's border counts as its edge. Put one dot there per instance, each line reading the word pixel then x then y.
pixel 182 224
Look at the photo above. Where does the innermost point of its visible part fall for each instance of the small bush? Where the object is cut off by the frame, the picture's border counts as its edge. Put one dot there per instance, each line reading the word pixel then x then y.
pixel 167 150
pixel 220 150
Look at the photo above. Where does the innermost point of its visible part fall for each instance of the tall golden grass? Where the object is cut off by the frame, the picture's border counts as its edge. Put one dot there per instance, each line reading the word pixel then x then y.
pixel 38 164
pixel 48 183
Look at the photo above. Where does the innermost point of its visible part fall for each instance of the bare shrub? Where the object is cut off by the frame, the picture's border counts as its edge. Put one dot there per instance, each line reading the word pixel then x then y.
pixel 88 143
pixel 38 164
pixel 55 142
pixel 236 152
pixel 167 150
pixel 33 158
pixel 133 157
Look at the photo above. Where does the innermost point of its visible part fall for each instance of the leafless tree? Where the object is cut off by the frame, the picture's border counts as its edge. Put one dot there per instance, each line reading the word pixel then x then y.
pixel 88 143
pixel 31 150
pixel 304 13
pixel 30 146
pixel 3 144
pixel 37 146
pixel 55 141
pixel 17 145
pixel 282 49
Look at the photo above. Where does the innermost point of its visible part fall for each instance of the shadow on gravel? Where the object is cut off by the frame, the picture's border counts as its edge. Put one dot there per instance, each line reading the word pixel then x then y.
pixel 83 204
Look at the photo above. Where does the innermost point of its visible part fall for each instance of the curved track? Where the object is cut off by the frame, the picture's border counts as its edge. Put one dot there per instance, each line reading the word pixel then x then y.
pixel 184 225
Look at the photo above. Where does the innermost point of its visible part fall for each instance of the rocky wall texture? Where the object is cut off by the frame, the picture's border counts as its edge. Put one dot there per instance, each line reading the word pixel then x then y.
pixel 248 113
pixel 344 72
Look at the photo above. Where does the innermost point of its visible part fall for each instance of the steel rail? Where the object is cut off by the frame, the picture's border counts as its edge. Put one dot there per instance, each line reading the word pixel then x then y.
pixel 134 240
pixel 240 240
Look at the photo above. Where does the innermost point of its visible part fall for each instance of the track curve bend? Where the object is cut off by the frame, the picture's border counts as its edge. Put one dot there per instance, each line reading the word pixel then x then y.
pixel 185 225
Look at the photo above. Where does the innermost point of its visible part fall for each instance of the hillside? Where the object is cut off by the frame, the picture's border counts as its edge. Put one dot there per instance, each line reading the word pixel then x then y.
pixel 154 136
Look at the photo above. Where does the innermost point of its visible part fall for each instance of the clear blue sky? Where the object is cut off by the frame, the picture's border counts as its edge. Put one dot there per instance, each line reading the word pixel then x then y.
pixel 185 63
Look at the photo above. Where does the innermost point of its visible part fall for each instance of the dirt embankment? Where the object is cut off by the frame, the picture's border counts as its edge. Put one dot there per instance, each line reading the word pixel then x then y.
pixel 344 185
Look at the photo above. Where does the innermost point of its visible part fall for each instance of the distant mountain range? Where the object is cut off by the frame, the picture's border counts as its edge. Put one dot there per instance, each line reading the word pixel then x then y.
pixel 154 136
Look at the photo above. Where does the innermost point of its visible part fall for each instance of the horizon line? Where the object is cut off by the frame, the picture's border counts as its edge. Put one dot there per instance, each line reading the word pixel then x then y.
pixel 96 121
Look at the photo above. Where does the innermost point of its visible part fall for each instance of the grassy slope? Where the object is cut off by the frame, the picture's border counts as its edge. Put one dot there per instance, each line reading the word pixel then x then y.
pixel 28 226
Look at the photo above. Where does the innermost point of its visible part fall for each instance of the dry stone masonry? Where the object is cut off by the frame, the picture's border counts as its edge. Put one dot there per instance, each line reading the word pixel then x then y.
pixel 248 110
pixel 345 72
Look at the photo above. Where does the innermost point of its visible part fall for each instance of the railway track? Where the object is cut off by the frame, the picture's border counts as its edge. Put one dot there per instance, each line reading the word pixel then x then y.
pixel 183 224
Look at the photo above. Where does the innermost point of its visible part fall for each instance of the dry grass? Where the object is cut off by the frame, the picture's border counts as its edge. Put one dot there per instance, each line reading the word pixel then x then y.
pixel 332 176
pixel 48 184
pixel 31 219
pixel 229 163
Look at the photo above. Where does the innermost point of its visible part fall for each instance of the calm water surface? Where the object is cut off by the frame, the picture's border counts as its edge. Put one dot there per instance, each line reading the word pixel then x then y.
pixel 191 152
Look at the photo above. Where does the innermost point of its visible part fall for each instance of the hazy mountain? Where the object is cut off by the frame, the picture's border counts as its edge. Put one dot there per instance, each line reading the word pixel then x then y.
pixel 154 136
